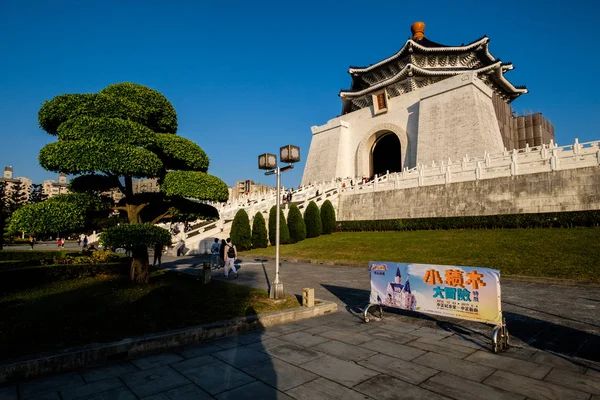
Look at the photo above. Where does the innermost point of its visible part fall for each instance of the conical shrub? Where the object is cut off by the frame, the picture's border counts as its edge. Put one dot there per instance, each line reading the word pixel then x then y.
pixel 296 225
pixel 284 233
pixel 240 230
pixel 312 219
pixel 328 217
pixel 259 232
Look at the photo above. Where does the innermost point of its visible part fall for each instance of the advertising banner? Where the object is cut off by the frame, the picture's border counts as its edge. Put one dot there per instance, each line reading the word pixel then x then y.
pixel 468 293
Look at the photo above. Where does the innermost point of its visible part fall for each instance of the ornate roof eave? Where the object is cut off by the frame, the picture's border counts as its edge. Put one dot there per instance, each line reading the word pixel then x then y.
pixel 414 45
pixel 420 72
pixel 518 90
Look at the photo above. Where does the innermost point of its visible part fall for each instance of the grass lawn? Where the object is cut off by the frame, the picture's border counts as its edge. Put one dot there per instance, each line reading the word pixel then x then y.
pixel 108 308
pixel 560 253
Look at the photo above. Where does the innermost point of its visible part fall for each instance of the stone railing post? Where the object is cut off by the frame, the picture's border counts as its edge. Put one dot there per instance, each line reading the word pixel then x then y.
pixel 554 160
pixel 576 147
pixel 421 178
pixel 478 170
pixel 514 166
pixel 448 175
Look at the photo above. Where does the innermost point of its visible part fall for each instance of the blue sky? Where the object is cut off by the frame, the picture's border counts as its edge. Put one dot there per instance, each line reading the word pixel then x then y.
pixel 249 77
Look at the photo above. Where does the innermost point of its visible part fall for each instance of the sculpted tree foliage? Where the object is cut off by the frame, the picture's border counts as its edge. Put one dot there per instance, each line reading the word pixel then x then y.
pixel 240 230
pixel 123 132
pixel 328 217
pixel 259 232
pixel 284 233
pixel 296 225
pixel 312 219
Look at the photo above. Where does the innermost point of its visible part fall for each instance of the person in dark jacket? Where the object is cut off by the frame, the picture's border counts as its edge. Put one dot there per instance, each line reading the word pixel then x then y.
pixel 222 252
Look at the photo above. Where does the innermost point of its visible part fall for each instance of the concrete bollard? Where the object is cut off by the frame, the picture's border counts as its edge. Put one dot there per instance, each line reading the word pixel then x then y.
pixel 308 297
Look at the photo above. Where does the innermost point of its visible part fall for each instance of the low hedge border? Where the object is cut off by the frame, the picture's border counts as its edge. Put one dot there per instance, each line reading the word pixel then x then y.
pixel 26 255
pixel 17 278
pixel 570 219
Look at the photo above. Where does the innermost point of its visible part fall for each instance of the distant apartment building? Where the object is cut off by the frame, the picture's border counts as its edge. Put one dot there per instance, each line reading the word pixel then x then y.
pixel 146 186
pixel 248 187
pixel 12 183
pixel 52 188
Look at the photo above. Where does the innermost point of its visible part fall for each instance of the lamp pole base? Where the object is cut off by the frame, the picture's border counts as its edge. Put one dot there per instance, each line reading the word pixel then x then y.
pixel 276 291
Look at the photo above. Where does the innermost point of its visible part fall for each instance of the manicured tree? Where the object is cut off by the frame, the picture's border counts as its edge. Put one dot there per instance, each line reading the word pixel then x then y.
pixel 62 213
pixel 136 238
pixel 296 225
pixel 128 131
pixel 240 231
pixel 259 232
pixel 328 217
pixel 312 219
pixel 284 233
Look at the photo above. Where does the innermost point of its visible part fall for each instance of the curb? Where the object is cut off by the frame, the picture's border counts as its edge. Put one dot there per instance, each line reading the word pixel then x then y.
pixel 96 354
pixel 517 278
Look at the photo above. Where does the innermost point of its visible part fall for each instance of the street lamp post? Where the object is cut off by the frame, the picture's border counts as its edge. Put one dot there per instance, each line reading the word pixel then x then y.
pixel 287 154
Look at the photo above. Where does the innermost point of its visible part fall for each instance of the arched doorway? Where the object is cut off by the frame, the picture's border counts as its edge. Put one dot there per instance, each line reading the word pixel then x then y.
pixel 386 155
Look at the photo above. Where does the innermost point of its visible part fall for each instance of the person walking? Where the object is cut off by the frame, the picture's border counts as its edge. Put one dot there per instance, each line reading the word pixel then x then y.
pixel 230 256
pixel 31 241
pixel 222 252
pixel 85 243
pixel 158 250
pixel 214 254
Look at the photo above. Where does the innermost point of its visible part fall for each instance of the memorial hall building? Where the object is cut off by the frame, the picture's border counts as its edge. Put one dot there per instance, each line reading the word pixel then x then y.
pixel 428 103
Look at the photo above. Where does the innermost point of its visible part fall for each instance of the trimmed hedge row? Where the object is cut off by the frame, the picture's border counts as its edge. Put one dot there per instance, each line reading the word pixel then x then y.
pixel 17 278
pixel 37 255
pixel 542 220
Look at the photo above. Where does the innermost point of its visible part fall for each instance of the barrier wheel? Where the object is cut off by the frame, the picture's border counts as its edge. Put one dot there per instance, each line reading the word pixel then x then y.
pixel 366 319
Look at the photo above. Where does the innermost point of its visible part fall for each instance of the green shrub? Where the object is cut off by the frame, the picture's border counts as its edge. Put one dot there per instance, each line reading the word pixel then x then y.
pixel 284 233
pixel 259 232
pixel 296 225
pixel 135 236
pixel 30 276
pixel 240 231
pixel 328 217
pixel 34 255
pixel 506 221
pixel 312 219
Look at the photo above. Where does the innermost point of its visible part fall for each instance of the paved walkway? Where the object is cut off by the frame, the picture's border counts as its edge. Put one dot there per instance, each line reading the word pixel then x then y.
pixel 340 357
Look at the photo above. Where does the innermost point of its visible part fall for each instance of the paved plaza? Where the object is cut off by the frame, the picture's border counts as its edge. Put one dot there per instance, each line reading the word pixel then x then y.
pixel 404 356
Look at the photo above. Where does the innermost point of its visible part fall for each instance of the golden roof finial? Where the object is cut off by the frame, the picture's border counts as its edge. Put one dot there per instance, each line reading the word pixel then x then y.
pixel 418 30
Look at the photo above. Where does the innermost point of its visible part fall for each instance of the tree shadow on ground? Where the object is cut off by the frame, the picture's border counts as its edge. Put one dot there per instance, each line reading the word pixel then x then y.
pixel 562 340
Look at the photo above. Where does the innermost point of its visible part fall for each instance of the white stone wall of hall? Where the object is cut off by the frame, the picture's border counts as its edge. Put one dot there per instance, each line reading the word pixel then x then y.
pixel 341 148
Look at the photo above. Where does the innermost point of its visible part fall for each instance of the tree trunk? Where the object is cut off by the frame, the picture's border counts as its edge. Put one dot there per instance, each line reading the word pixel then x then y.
pixel 140 265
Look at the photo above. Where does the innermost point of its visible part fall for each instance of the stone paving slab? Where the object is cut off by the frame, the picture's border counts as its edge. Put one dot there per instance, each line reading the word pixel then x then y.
pixel 387 334
pixel 156 360
pixel 197 350
pixel 324 389
pixel 559 361
pixel 8 393
pixel 115 394
pixel 107 371
pixel 394 349
pixel 241 357
pixel 293 354
pixel 583 383
pixel 463 389
pixel 387 388
pixel 344 351
pixel 155 380
pixel 405 370
pixel 465 369
pixel 303 338
pixel 188 392
pixel 254 390
pixel 525 368
pixel 217 377
pixel 340 371
pixel 532 388
pixel 447 349
pixel 346 337
pixel 280 375
pixel 87 390
pixel 50 384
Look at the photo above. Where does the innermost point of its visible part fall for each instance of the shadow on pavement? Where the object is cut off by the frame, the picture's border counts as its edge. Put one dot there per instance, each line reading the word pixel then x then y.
pixel 534 332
